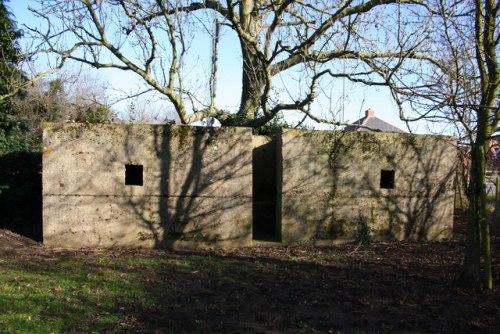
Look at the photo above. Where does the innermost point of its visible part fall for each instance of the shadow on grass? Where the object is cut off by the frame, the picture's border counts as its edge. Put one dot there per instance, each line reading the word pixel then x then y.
pixel 375 289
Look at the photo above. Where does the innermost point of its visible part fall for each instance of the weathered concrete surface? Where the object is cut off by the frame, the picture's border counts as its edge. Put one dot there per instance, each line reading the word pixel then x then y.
pixel 331 178
pixel 197 186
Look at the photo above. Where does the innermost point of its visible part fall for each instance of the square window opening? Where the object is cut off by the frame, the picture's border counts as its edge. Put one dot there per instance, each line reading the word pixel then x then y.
pixel 387 179
pixel 134 175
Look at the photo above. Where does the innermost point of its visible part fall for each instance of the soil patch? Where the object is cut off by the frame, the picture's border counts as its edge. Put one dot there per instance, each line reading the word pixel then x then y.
pixel 12 243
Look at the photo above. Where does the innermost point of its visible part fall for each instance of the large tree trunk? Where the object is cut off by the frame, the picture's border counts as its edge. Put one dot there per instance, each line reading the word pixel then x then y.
pixel 252 84
pixel 471 274
pixel 252 67
pixel 482 214
pixel 478 234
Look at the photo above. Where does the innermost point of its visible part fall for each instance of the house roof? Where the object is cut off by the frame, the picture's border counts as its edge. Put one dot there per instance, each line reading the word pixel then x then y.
pixel 370 121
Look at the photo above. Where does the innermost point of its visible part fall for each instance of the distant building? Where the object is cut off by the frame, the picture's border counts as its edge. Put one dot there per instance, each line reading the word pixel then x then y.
pixel 493 157
pixel 370 121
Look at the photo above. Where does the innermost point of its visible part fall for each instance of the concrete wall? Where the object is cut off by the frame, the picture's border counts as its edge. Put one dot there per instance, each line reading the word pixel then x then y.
pixel 197 186
pixel 330 179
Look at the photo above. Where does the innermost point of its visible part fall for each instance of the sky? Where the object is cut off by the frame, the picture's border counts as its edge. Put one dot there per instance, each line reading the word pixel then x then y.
pixel 352 102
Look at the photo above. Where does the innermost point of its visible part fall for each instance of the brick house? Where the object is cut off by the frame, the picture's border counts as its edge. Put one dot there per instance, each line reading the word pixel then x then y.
pixel 370 121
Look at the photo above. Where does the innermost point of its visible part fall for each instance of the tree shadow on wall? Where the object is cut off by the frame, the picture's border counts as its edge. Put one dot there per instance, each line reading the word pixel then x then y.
pixel 426 202
pixel 149 186
pixel 405 190
pixel 21 193
pixel 400 185
pixel 197 187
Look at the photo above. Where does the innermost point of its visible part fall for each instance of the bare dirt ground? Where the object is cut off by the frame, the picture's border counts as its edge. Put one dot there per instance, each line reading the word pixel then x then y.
pixel 12 244
pixel 378 288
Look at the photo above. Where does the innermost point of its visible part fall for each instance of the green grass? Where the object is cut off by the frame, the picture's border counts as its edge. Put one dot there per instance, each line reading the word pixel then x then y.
pixel 98 294
pixel 75 294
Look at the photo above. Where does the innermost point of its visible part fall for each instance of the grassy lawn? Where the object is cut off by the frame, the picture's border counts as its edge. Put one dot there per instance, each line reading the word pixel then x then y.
pixel 405 287
pixel 72 294
pixel 93 293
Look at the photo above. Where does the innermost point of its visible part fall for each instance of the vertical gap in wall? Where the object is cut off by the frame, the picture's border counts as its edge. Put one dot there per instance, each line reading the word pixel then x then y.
pixel 265 223
pixel 278 144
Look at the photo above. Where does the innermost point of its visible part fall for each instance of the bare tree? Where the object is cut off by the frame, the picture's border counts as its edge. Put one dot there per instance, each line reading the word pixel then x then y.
pixel 143 111
pixel 458 85
pixel 154 38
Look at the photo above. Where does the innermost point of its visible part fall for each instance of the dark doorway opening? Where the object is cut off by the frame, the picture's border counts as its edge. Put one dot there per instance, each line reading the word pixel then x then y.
pixel 265 219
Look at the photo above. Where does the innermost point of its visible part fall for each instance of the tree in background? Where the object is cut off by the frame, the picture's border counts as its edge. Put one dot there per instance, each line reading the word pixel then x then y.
pixel 310 42
pixel 20 185
pixel 459 86
pixel 142 110
pixel 51 101
pixel 96 114
pixel 20 166
pixel 11 131
pixel 9 53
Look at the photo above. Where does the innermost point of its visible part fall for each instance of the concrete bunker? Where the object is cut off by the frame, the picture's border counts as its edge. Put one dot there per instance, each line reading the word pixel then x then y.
pixel 160 186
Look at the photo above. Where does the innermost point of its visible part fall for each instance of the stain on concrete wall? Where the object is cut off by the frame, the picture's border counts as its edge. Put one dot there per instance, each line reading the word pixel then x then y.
pixel 196 186
pixel 400 183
